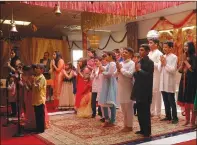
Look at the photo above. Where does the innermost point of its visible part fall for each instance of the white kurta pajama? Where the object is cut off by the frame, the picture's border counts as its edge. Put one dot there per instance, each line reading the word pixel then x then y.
pixel 125 85
pixel 156 98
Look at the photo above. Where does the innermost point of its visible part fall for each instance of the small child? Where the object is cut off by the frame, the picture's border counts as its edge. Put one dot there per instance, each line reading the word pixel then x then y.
pixel 12 95
pixel 136 59
pixel 95 77
pixel 39 97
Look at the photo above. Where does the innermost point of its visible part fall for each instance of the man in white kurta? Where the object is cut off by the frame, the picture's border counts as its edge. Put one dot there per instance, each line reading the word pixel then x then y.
pixel 125 84
pixel 154 55
pixel 167 68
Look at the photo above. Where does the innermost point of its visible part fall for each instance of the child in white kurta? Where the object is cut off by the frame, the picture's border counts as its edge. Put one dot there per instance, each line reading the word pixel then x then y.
pixel 154 55
pixel 125 85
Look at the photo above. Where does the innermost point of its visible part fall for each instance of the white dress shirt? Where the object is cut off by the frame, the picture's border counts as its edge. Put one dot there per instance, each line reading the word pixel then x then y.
pixel 168 74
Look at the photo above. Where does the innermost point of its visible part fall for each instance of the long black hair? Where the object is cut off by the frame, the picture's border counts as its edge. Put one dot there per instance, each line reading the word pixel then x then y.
pixel 93 52
pixel 58 57
pixel 191 49
pixel 15 58
pixel 84 63
pixel 112 54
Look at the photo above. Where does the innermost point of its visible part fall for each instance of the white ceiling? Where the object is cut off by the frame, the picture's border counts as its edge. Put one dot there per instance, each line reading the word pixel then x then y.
pixel 165 12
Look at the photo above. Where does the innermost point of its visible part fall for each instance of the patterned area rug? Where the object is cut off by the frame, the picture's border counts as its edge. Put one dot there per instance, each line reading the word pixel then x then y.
pixel 69 129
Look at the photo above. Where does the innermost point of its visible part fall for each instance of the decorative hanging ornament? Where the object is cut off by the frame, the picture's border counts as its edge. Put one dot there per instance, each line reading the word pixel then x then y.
pixel 13 25
pixel 153 34
pixel 57 9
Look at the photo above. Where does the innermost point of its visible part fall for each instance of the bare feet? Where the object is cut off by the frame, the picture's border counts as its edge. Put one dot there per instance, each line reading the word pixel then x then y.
pixel 186 123
pixel 127 129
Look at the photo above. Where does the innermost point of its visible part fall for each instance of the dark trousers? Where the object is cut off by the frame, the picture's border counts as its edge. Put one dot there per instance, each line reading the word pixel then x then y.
pixel 93 104
pixel 13 107
pixel 40 117
pixel 135 109
pixel 143 111
pixel 169 103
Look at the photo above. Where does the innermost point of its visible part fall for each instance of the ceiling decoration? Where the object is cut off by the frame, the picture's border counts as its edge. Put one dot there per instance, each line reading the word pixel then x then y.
pixel 124 8
pixel 44 23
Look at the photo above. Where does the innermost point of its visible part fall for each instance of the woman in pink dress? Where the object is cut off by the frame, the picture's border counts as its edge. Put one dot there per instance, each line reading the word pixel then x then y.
pixel 57 65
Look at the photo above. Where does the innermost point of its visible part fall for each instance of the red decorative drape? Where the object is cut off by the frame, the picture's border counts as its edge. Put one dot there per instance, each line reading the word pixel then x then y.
pixel 125 8
pixel 164 23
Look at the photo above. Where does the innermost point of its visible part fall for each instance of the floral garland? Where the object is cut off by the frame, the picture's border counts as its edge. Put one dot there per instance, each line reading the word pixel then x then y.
pixel 110 37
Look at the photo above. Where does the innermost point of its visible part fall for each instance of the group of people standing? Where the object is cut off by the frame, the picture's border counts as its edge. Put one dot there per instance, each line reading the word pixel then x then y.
pixel 121 77
pixel 29 85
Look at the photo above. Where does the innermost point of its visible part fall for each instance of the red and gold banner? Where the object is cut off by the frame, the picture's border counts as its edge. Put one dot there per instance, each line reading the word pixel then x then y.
pixel 124 8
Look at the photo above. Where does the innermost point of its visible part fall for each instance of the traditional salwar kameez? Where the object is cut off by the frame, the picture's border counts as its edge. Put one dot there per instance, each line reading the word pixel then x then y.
pixel 57 82
pixel 109 92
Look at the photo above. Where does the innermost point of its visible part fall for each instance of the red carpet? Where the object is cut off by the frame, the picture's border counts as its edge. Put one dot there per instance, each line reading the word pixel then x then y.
pixel 191 142
pixel 26 140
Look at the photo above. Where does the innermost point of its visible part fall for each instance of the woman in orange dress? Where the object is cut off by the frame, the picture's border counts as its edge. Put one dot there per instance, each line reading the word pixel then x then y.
pixel 57 66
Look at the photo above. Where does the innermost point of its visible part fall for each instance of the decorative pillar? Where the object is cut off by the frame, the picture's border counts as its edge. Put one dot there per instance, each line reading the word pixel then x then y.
pixel 132 35
pixel 84 43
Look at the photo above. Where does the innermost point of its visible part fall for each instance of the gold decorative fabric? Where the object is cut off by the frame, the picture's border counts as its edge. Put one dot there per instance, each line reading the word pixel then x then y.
pixel 178 44
pixel 94 20
pixel 32 50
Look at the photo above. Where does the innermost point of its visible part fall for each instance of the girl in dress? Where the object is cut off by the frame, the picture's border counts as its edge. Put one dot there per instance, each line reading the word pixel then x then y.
pixel 66 95
pixel 102 67
pixel 12 94
pixel 57 65
pixel 188 82
pixel 91 54
pixel 83 95
pixel 95 77
pixel 109 90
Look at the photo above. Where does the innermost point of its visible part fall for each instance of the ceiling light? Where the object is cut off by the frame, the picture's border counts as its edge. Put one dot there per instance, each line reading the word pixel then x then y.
pixel 100 30
pixel 73 27
pixel 185 28
pixel 24 23
pixel 166 31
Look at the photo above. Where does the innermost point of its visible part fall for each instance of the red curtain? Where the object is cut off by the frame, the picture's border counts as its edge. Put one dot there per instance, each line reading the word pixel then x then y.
pixel 126 8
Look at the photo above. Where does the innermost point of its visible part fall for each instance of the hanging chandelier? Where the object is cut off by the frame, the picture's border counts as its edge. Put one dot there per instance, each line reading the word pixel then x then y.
pixel 94 41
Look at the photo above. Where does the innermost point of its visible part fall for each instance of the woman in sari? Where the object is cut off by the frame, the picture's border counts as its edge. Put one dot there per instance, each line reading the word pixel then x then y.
pixel 83 95
pixel 188 82
pixel 57 66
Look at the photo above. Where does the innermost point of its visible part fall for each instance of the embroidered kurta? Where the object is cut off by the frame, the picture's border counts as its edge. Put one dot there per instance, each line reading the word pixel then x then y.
pixel 125 81
pixel 168 74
